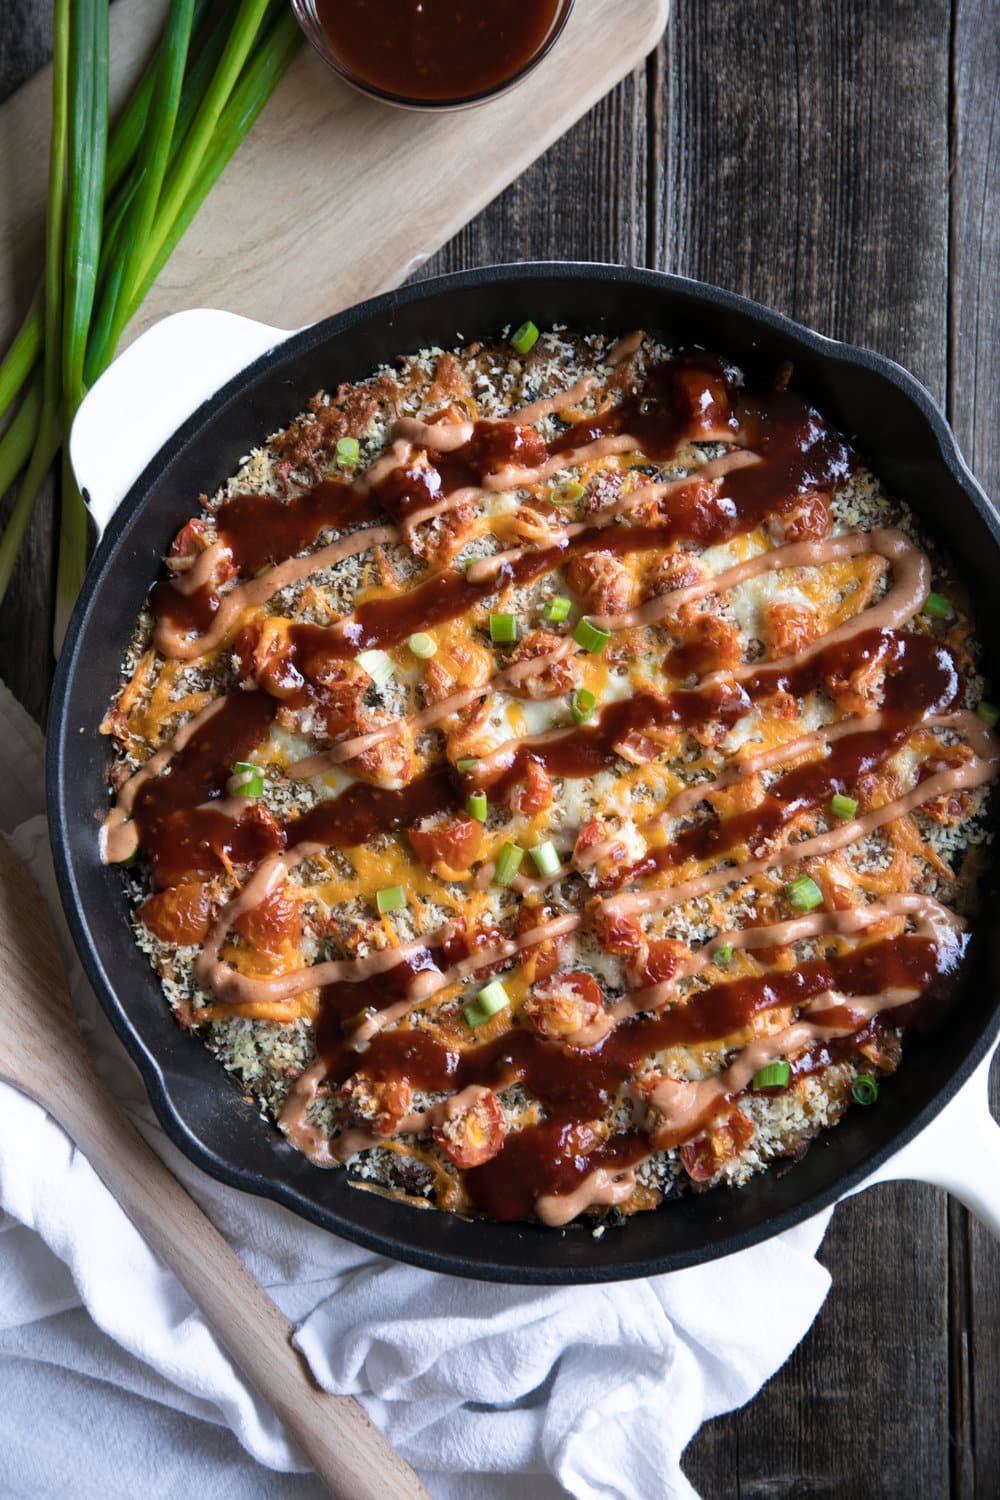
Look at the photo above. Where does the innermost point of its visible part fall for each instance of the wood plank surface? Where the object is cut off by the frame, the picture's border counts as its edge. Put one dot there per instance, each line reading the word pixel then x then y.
pixel 840 162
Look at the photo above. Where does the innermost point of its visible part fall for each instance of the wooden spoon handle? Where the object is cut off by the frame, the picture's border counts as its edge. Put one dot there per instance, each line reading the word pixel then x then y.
pixel 350 1455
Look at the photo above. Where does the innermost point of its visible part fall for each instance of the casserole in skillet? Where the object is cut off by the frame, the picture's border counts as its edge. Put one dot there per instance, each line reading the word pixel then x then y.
pixel 686 1217
pixel 551 777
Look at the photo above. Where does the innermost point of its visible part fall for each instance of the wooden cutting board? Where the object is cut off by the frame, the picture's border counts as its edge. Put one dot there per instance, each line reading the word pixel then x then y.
pixel 332 197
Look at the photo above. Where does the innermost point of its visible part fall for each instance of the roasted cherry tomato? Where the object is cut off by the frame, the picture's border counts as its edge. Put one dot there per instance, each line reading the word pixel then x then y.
pixel 473 1134
pixel 655 962
pixel 381 1103
pixel 708 1153
pixel 180 914
pixel 456 842
pixel 564 1004
pixel 273 924
pixel 533 795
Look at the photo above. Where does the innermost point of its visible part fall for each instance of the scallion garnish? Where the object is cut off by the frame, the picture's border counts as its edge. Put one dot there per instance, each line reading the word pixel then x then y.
pixel 842 807
pixel 589 636
pixel 865 1089
pixel 491 998
pixel 582 705
pixel 567 493
pixel 391 898
pixel 469 764
pixel 557 609
pixel 247 780
pixel 422 645
pixel 351 1023
pixel 503 629
pixel 378 666
pixel 989 713
pixel 507 865
pixel 774 1075
pixel 525 338
pixel 803 893
pixel 723 953
pixel 477 806
pixel 546 857
pixel 938 607
pixel 348 451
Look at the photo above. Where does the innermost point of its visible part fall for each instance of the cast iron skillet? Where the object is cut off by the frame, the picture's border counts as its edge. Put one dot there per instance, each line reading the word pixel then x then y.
pixel 893 423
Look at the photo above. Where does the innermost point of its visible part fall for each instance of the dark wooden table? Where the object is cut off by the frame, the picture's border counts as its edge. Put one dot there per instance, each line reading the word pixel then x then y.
pixel 840 161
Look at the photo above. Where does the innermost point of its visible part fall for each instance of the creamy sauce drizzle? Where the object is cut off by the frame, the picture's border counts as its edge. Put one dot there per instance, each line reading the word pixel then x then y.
pixel 982 768
pixel 170 641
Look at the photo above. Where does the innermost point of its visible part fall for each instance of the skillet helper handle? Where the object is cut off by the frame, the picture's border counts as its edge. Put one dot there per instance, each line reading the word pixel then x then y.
pixel 959 1151
pixel 149 390
pixel 348 1453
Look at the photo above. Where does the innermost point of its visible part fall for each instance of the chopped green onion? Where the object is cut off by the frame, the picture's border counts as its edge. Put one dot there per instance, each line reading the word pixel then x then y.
pixel 774 1076
pixel 865 1089
pixel 351 1023
pixel 723 953
pixel 422 645
pixel 546 857
pixel 803 893
pixel 348 451
pixel 491 998
pixel 582 705
pixel 477 806
pixel 133 859
pixel 938 607
pixel 568 493
pixel 391 898
pixel 989 713
pixel 250 780
pixel 468 562
pixel 503 629
pixel 508 864
pixel 589 637
pixel 378 666
pixel 466 765
pixel 525 338
pixel 265 568
pixel 557 609
pixel 842 807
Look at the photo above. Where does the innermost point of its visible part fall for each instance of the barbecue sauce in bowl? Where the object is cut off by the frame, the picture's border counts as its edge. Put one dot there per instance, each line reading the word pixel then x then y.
pixel 432 54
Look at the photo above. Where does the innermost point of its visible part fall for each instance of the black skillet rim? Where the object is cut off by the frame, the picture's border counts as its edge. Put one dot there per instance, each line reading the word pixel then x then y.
pixel 263 1184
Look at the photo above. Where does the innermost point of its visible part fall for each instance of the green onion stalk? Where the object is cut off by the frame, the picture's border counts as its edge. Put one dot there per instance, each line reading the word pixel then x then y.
pixel 89 44
pixel 172 188
pixel 20 358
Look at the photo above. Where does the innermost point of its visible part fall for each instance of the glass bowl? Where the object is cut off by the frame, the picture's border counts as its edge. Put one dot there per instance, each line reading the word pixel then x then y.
pixel 308 18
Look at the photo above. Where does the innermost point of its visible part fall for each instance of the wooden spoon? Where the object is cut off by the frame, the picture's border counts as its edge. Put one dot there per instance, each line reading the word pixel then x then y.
pixel 42 1053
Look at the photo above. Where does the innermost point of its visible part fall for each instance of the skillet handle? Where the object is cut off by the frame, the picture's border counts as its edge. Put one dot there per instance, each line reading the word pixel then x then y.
pixel 149 390
pixel 959 1151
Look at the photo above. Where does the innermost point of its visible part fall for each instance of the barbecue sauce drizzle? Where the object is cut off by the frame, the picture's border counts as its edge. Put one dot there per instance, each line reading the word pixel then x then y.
pixel 187 833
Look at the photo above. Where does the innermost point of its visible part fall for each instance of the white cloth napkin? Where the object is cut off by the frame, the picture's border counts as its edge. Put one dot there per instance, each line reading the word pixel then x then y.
pixel 112 1386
